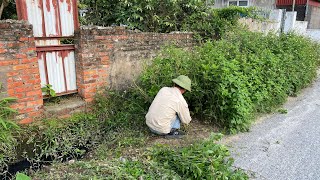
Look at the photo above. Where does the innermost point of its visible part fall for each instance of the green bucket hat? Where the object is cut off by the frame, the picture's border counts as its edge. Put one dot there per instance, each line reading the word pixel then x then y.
pixel 183 81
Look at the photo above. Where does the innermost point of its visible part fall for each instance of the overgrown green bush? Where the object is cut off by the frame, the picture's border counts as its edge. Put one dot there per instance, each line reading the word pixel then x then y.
pixel 164 16
pixel 233 79
pixel 239 75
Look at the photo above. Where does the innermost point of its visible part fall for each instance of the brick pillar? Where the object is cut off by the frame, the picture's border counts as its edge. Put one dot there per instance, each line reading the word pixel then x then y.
pixel 94 49
pixel 19 72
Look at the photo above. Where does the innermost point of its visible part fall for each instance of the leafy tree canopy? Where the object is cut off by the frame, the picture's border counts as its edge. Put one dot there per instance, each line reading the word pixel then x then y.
pixel 162 16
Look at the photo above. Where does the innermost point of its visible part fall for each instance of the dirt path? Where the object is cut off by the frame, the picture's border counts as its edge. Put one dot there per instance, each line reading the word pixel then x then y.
pixel 196 131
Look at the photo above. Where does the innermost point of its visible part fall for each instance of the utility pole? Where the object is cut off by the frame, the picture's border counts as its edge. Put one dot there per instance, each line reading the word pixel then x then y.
pixel 293 4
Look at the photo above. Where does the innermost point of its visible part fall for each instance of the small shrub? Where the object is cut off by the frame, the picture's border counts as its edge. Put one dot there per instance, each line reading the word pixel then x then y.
pixel 60 140
pixel 202 160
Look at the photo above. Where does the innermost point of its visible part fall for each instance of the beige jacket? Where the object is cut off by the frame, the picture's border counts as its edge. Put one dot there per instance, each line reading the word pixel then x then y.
pixel 168 103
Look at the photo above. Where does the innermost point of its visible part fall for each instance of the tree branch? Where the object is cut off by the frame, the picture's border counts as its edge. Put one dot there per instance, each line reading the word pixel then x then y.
pixel 4 4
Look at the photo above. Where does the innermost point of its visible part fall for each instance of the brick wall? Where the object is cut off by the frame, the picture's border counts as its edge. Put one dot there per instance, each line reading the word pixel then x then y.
pixel 114 56
pixel 105 57
pixel 19 71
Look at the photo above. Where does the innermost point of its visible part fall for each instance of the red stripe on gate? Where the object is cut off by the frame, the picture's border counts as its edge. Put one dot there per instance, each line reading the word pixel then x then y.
pixel 64 54
pixel 48 5
pixel 43 20
pixel 55 4
pixel 75 15
pixel 45 66
pixel 22 10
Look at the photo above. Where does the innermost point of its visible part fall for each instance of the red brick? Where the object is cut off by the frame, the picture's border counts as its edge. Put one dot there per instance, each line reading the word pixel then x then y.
pixel 12 73
pixel 26 121
pixel 19 90
pixel 25 76
pixel 10 92
pixel 88 72
pixel 33 81
pixel 105 60
pixel 3 51
pixel 30 49
pixel 9 80
pixel 31 60
pixel 34 93
pixel 36 102
pixel 21 66
pixel 23 89
pixel 37 87
pixel 32 70
pixel 26 39
pixel 21 56
pixel 26 110
pixel 18 95
pixel 26 99
pixel 18 106
pixel 16 84
pixel 10 86
pixel 15 45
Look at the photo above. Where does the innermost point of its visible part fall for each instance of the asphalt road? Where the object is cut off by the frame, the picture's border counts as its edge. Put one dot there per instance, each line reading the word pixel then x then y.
pixel 283 146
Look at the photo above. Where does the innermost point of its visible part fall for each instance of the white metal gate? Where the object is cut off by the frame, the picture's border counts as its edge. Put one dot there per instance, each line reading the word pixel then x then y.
pixel 53 21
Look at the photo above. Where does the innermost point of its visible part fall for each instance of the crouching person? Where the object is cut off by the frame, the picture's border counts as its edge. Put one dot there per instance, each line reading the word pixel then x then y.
pixel 169 109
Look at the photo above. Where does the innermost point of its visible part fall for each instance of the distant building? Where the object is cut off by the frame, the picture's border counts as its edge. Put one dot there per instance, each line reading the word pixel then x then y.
pixel 264 4
pixel 307 10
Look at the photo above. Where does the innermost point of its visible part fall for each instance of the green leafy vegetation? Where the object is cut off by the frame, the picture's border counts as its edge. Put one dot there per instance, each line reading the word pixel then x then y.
pixel 202 160
pixel 283 111
pixel 48 90
pixel 7 140
pixel 59 140
pixel 242 74
pixel 53 140
pixel 233 79
pixel 164 16
pixel 22 176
